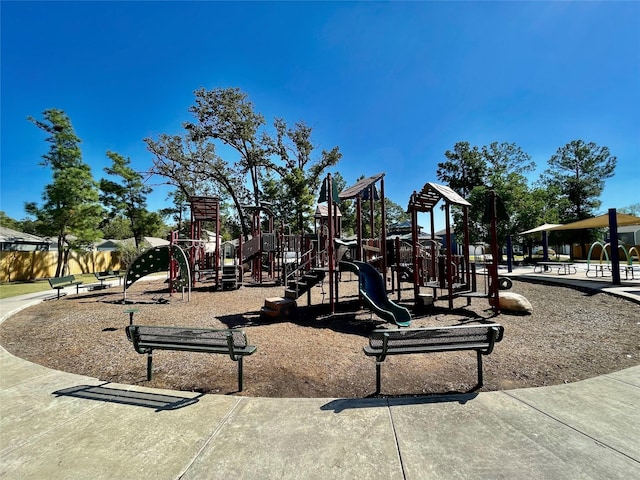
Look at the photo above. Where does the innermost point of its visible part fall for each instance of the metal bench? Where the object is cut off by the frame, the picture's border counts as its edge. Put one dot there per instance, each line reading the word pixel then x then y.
pixel 59 283
pixel 480 338
pixel 109 274
pixel 231 342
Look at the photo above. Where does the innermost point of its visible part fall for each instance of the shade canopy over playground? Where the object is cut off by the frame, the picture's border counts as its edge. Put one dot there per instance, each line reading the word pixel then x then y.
pixel 613 220
pixel 600 221
pixel 542 228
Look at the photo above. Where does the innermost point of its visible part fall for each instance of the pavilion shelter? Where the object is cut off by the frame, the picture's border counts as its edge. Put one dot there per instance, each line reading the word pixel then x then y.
pixel 425 201
pixel 612 220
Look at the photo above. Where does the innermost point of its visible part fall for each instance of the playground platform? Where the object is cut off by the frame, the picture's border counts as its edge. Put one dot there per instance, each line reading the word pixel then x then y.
pixel 59 425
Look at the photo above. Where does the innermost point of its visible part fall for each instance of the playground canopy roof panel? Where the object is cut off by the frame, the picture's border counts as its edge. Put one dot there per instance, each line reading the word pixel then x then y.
pixel 431 194
pixel 204 208
pixel 323 211
pixel 600 221
pixel 359 187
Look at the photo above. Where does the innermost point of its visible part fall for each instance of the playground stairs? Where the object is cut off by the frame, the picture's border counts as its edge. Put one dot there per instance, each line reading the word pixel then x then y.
pixel 285 308
pixel 279 308
pixel 298 287
pixel 230 277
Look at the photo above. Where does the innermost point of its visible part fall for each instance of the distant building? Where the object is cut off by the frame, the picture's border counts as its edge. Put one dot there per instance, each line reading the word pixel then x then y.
pixel 12 240
pixel 629 235
pixel 112 245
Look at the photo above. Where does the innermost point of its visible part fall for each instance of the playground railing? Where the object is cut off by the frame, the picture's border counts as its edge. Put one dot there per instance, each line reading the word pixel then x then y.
pixel 305 262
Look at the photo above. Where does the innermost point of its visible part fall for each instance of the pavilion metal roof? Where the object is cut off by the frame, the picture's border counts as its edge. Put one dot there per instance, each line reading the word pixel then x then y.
pixel 431 194
pixel 204 208
pixel 600 221
pixel 359 187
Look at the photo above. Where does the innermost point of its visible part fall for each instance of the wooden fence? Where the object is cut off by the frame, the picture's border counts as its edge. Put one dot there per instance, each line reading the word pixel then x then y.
pixel 26 266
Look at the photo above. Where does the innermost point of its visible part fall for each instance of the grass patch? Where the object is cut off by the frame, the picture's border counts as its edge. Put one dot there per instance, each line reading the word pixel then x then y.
pixel 13 289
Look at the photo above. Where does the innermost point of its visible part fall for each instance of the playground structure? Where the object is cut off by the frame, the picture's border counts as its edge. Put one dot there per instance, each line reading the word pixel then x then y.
pixel 300 262
pixel 373 292
pixel 428 265
pixel 446 271
pixel 161 259
pixel 185 259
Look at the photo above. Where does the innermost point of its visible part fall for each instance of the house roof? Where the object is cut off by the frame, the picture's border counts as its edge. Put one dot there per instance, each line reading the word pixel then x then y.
pixel 8 235
pixel 629 229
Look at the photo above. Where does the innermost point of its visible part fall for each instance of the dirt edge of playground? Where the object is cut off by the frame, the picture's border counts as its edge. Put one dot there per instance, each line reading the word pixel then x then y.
pixel 570 335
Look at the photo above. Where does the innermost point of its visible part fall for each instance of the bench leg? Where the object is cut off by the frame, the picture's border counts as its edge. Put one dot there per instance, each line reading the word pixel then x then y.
pixel 240 374
pixel 480 380
pixel 149 366
pixel 378 364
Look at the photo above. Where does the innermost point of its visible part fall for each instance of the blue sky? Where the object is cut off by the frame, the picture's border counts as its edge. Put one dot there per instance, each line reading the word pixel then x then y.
pixel 393 84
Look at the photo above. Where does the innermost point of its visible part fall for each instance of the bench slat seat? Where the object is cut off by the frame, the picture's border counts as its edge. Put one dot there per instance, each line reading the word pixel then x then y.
pixel 109 274
pixel 479 338
pixel 59 283
pixel 232 342
pixel 429 349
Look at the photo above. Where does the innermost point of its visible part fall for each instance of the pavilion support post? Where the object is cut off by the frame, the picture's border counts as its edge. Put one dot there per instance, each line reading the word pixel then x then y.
pixel 613 241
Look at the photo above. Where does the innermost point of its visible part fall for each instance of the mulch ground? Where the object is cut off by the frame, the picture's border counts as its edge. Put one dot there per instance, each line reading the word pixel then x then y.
pixel 570 335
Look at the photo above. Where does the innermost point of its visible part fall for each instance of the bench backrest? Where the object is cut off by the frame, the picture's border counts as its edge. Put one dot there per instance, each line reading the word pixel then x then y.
pixel 453 336
pixel 61 280
pixel 108 273
pixel 147 336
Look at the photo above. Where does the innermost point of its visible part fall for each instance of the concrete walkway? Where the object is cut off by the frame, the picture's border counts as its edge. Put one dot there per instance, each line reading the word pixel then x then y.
pixel 57 425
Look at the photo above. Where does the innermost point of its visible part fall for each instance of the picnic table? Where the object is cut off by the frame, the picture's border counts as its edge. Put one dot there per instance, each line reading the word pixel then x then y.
pixel 564 268
pixel 598 269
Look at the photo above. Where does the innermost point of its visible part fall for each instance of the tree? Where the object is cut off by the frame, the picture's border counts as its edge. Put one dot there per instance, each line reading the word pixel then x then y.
pixel 633 209
pixel 507 168
pixel 191 164
pixel 117 228
pixel 300 176
pixel 473 172
pixel 577 171
pixel 8 222
pixel 347 207
pixel 71 201
pixel 279 169
pixel 463 170
pixel 227 115
pixel 128 198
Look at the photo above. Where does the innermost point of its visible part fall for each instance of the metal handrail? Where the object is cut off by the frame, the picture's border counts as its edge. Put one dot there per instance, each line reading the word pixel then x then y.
pixel 294 273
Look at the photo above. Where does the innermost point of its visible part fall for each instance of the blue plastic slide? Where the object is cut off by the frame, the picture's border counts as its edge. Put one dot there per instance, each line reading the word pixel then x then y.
pixel 374 293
